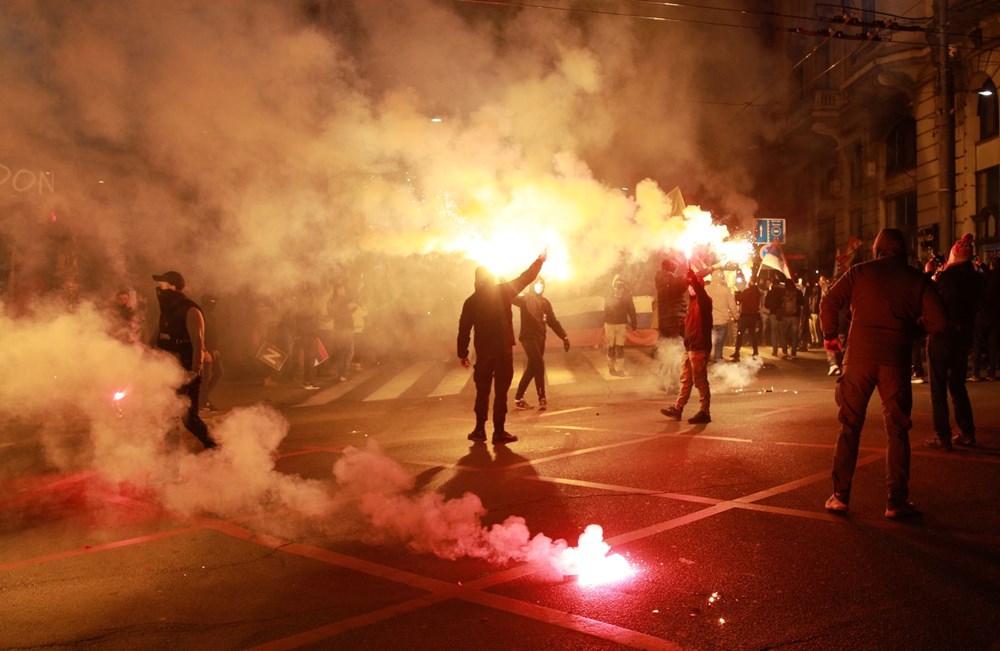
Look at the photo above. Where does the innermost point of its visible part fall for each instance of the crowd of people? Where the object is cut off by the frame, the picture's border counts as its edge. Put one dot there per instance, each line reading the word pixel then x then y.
pixel 875 322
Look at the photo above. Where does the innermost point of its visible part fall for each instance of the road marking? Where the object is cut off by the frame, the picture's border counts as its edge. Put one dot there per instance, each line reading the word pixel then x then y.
pixel 557 372
pixel 400 382
pixel 564 411
pixel 329 394
pixel 453 382
pixel 73 553
pixel 441 591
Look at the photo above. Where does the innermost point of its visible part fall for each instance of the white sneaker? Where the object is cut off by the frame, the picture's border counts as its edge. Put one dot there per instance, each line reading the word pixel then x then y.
pixel 834 370
pixel 834 504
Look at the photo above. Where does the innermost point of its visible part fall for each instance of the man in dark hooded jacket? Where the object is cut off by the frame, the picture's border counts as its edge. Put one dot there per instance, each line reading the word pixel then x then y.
pixel 536 314
pixel 488 311
pixel 671 308
pixel 961 289
pixel 888 300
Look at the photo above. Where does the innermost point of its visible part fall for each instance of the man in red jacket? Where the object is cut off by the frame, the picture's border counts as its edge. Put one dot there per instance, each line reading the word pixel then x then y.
pixel 697 344
pixel 888 300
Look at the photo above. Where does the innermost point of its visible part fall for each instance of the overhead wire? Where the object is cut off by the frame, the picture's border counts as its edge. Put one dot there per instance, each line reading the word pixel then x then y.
pixel 880 25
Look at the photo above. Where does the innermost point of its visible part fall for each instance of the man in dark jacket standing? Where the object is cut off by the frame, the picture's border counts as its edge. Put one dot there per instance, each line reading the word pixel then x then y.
pixel 697 344
pixel 888 300
pixel 749 302
pixel 488 311
pixel 671 308
pixel 536 313
pixel 181 332
pixel 961 289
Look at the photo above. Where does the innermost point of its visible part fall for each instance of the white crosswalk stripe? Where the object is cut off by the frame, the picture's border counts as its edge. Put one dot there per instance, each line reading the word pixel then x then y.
pixel 400 382
pixel 557 372
pixel 453 382
pixel 561 370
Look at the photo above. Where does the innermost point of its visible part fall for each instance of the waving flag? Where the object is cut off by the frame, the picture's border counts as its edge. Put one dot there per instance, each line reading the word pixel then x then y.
pixel 845 259
pixel 772 256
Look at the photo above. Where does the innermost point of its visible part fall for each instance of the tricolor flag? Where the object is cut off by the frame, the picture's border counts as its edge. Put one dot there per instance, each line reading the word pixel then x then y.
pixel 846 259
pixel 772 257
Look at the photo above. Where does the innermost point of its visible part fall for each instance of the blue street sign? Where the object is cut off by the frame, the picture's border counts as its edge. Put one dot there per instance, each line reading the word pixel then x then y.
pixel 768 230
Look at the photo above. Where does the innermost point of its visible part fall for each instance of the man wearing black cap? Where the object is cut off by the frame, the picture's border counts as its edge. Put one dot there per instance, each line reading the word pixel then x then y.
pixel 181 332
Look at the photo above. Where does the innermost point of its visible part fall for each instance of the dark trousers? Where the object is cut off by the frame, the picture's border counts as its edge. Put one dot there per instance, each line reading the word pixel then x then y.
pixel 986 344
pixel 948 361
pixel 494 372
pixel 748 323
pixel 919 355
pixel 854 390
pixel 192 421
pixel 213 372
pixel 790 340
pixel 534 348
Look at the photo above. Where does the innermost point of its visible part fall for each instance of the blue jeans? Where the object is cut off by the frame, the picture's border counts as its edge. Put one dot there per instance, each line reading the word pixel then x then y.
pixel 719 333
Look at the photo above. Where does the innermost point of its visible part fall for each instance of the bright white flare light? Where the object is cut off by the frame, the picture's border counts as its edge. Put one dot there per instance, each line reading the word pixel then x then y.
pixel 119 395
pixel 499 252
pixel 589 560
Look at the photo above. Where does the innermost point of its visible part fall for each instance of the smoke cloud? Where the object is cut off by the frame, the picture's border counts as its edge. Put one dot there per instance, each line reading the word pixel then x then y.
pixel 112 407
pixel 264 145
pixel 271 146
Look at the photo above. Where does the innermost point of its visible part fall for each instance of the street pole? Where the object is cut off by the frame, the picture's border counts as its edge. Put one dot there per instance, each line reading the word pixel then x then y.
pixel 944 126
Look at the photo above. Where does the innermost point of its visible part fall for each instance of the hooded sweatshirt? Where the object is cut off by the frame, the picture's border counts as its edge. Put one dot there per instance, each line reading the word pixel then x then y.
pixel 619 307
pixel 488 312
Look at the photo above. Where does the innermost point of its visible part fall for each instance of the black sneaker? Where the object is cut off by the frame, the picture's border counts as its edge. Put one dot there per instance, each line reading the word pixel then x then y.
pixel 964 439
pixel 477 434
pixel 937 443
pixel 700 418
pixel 903 510
pixel 542 403
pixel 672 413
pixel 521 403
pixel 503 437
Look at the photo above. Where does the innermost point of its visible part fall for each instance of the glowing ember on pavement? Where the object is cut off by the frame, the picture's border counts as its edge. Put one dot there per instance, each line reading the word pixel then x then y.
pixel 589 560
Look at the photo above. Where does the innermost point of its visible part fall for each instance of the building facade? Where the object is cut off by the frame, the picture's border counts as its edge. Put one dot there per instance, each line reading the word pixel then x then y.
pixel 892 121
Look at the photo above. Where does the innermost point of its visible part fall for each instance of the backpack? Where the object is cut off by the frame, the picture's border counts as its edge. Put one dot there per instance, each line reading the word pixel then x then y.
pixel 790 302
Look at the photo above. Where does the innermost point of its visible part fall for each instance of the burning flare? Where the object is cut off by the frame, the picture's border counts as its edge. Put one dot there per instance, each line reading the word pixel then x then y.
pixel 589 560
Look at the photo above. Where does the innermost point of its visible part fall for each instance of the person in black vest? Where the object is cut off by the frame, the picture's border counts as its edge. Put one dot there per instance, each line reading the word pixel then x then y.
pixel 181 332
pixel 536 313
pixel 488 311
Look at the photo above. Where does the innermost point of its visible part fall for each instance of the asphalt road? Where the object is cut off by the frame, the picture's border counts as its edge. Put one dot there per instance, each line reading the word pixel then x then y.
pixel 723 524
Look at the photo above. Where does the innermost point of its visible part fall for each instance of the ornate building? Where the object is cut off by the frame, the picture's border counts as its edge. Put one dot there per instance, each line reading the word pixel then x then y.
pixel 892 120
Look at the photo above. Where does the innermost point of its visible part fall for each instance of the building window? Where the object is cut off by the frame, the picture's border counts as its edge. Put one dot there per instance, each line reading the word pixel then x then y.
pixel 901 147
pixel 902 214
pixel 988 205
pixel 989 112
pixel 857 166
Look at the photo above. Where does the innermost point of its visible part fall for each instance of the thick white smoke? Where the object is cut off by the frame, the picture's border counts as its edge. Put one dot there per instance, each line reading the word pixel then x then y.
pixel 264 145
pixel 72 372
pixel 449 528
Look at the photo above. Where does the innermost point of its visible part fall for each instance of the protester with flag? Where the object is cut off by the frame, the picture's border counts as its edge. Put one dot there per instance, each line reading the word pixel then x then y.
pixel 772 256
